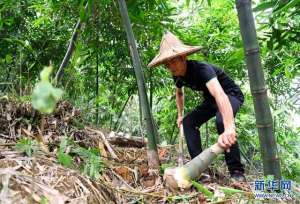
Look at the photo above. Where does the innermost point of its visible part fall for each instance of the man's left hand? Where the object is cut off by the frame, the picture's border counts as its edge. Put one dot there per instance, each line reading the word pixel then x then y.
pixel 227 138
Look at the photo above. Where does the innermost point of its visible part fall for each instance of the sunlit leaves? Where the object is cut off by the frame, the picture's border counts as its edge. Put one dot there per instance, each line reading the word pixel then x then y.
pixel 45 96
pixel 63 157
pixel 264 5
pixel 282 18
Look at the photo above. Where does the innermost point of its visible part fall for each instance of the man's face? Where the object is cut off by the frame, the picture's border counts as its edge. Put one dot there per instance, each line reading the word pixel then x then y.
pixel 176 66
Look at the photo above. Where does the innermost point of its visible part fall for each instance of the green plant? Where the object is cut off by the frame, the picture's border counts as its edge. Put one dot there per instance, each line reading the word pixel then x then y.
pixel 92 165
pixel 44 200
pixel 27 145
pixel 63 157
pixel 45 96
pixel 202 189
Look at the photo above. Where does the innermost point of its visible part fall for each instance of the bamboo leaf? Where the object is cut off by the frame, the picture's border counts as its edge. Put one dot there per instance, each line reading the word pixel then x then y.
pixel 44 200
pixel 202 189
pixel 8 59
pixel 45 96
pixel 230 191
pixel 264 5
pixel 209 2
pixel 82 14
pixel 187 3
pixel 64 159
pixel 291 4
pixel 90 7
pixel 24 44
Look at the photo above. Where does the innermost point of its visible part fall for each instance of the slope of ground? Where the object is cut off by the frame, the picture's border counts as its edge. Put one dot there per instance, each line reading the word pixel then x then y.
pixel 59 170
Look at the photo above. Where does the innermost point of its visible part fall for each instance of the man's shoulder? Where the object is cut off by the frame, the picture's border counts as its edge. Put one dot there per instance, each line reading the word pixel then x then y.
pixel 196 63
pixel 204 65
pixel 200 64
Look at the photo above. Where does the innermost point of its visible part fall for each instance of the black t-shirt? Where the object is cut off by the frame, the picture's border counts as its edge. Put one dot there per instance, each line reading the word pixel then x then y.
pixel 199 73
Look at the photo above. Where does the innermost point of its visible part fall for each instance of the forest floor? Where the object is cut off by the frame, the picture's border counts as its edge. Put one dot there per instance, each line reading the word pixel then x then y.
pixel 39 165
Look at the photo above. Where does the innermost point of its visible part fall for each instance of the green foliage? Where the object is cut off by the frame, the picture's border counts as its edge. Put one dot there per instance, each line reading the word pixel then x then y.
pixel 64 158
pixel 288 144
pixel 91 165
pixel 44 200
pixel 78 123
pixel 178 198
pixel 27 145
pixel 45 96
pixel 282 22
pixel 92 161
pixel 202 189
pixel 230 191
pixel 33 33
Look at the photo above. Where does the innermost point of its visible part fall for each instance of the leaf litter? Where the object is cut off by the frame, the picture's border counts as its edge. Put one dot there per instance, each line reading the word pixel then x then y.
pixel 101 168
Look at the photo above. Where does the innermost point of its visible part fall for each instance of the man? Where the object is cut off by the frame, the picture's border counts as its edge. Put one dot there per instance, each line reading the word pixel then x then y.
pixel 223 99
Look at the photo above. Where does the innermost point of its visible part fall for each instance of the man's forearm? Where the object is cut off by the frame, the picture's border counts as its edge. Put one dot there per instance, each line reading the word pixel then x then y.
pixel 226 111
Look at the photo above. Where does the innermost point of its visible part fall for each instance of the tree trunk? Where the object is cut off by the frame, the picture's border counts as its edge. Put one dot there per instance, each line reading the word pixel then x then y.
pixel 151 130
pixel 97 85
pixel 257 85
pixel 20 70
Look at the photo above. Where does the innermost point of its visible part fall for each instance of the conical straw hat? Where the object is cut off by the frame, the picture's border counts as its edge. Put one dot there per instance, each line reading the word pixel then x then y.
pixel 171 47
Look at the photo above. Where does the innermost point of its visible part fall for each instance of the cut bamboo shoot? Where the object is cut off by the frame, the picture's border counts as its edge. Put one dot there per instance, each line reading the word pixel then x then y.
pixel 181 177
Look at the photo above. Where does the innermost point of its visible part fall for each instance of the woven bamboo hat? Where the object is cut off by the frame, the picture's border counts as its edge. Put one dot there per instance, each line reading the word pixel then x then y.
pixel 171 47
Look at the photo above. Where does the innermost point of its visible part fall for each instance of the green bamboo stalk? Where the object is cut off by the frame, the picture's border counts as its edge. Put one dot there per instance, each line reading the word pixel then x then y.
pixel 152 154
pixel 263 116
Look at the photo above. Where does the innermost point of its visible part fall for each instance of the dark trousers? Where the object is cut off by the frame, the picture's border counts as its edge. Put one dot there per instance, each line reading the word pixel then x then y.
pixel 192 122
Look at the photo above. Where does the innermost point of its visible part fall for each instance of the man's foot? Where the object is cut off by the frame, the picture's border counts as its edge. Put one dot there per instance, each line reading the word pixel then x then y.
pixel 237 176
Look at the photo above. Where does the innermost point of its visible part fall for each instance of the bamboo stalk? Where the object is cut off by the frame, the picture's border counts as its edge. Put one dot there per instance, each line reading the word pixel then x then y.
pixel 258 89
pixel 152 154
pixel 70 50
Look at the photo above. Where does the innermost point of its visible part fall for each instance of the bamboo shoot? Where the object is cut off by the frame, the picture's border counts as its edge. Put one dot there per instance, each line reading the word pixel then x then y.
pixel 181 177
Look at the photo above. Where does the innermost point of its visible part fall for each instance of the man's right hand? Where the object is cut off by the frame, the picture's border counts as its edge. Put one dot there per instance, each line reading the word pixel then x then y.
pixel 179 121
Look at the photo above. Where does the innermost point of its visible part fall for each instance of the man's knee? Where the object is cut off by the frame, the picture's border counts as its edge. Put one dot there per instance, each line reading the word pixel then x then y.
pixel 188 121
